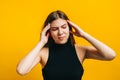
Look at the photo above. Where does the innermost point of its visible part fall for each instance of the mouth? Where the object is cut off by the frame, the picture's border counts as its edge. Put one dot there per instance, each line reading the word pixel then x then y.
pixel 61 37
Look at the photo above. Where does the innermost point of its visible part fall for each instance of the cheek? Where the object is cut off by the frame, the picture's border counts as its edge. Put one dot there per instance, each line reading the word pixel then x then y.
pixel 67 31
pixel 53 34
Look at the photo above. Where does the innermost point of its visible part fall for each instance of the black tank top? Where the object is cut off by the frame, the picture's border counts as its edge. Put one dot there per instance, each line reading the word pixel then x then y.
pixel 63 63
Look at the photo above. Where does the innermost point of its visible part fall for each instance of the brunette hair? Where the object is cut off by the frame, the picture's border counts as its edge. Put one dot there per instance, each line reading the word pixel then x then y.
pixel 53 16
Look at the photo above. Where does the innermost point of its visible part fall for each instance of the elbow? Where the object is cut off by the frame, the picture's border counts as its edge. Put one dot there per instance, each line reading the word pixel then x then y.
pixel 21 72
pixel 111 56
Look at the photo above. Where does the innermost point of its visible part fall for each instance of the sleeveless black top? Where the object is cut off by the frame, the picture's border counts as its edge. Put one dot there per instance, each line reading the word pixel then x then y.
pixel 63 63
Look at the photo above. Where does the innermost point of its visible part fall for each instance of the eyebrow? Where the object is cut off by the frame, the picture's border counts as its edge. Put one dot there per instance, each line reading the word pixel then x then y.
pixel 60 26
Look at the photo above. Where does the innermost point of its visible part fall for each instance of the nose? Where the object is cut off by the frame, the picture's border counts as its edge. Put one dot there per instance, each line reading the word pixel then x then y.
pixel 60 32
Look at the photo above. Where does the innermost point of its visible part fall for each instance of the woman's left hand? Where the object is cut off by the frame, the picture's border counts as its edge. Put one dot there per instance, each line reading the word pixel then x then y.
pixel 78 31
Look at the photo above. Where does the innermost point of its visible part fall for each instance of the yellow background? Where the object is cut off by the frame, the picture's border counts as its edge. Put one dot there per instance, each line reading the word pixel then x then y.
pixel 21 21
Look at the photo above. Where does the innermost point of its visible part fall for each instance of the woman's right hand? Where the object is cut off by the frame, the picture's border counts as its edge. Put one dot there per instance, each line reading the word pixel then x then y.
pixel 45 34
pixel 33 57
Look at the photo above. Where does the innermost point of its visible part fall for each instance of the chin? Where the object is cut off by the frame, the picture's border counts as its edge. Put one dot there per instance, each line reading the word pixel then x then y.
pixel 61 42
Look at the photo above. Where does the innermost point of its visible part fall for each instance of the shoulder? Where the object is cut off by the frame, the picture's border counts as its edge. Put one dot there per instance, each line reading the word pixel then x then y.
pixel 44 55
pixel 79 47
pixel 81 52
pixel 43 51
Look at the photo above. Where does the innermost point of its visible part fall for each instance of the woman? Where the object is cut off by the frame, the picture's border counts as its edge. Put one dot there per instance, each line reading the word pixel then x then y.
pixel 60 57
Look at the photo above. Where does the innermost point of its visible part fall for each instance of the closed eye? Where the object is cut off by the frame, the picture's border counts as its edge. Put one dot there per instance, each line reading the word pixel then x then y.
pixel 53 28
pixel 64 26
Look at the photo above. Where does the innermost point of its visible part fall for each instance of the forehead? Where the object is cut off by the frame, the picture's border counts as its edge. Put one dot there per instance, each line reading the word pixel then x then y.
pixel 58 22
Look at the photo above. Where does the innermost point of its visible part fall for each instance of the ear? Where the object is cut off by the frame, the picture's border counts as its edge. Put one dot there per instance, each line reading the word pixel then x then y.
pixel 71 32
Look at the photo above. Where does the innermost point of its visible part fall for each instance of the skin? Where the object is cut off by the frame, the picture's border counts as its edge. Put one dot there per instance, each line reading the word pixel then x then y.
pixel 59 31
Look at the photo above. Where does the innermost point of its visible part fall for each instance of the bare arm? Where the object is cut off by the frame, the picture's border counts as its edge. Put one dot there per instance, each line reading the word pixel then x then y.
pixel 30 60
pixel 99 50
pixel 33 57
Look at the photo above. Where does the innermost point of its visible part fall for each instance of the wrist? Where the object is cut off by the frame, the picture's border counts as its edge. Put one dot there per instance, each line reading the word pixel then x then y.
pixel 42 42
pixel 84 35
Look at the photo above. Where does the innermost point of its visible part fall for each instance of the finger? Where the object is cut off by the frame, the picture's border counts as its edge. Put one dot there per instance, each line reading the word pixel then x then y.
pixel 73 24
pixel 46 28
pixel 72 32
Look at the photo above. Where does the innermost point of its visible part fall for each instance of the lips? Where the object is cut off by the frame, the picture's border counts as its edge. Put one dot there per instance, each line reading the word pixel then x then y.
pixel 61 37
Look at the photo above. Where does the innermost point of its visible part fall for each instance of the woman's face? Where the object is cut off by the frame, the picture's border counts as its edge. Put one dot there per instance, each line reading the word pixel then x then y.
pixel 59 31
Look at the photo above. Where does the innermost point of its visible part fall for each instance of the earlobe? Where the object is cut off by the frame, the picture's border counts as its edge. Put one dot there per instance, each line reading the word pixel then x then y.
pixel 71 32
